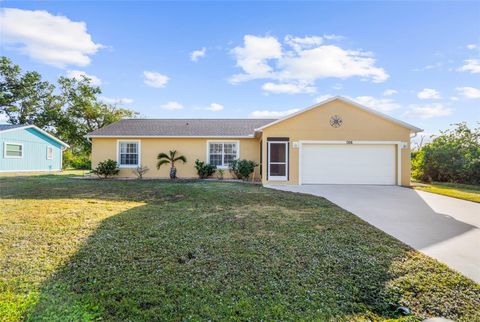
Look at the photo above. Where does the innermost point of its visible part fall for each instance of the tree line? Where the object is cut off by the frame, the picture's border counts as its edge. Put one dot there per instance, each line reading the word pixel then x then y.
pixel 452 156
pixel 69 109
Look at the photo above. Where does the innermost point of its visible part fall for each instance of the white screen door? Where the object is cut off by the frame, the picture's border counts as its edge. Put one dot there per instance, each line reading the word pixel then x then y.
pixel 277 161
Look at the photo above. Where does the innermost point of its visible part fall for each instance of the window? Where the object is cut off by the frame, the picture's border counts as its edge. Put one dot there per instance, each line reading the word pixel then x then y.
pixel 222 154
pixel 49 153
pixel 13 150
pixel 128 155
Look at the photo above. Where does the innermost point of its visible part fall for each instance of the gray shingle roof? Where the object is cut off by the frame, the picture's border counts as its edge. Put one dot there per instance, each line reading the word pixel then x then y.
pixel 4 127
pixel 182 127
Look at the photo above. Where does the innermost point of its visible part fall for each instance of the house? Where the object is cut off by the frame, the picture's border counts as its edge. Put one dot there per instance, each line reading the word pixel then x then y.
pixel 29 148
pixel 334 142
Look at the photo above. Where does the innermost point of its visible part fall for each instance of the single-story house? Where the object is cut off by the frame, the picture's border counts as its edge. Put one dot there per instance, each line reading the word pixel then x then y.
pixel 29 148
pixel 334 142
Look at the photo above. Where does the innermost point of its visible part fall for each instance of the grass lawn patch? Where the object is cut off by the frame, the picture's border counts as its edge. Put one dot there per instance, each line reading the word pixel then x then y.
pixel 456 190
pixel 154 250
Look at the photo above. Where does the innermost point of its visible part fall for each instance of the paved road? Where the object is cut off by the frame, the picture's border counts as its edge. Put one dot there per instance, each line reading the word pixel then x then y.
pixel 444 228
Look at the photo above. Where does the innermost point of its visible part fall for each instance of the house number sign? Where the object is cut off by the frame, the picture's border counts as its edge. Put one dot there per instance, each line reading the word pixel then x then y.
pixel 336 121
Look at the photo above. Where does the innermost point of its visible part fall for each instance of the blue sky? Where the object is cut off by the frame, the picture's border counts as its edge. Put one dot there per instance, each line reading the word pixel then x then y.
pixel 416 61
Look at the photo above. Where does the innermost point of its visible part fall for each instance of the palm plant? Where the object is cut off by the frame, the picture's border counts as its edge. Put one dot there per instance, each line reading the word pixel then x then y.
pixel 170 158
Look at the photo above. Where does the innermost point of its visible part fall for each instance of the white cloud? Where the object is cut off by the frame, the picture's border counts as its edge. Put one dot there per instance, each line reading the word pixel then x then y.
pixel 428 94
pixel 389 92
pixel 309 60
pixel 330 61
pixel 380 104
pixel 215 107
pixel 471 65
pixel 322 98
pixel 337 86
pixel 197 54
pixel 3 118
pixel 299 43
pixel 288 88
pixel 50 39
pixel 172 106
pixel 471 46
pixel 468 92
pixel 429 66
pixel 155 79
pixel 427 111
pixel 116 101
pixel 77 74
pixel 254 55
pixel 265 114
pixel 454 98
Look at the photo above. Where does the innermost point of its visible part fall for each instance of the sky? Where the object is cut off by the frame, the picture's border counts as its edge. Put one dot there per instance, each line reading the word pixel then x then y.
pixel 416 61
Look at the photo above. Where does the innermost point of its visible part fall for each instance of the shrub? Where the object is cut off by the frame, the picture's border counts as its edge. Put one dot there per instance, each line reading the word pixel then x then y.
pixel 242 169
pixel 220 173
pixel 140 171
pixel 77 160
pixel 453 156
pixel 106 168
pixel 204 170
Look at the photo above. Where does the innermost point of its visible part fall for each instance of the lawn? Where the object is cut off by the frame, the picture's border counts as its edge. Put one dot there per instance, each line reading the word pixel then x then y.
pixel 153 250
pixel 455 190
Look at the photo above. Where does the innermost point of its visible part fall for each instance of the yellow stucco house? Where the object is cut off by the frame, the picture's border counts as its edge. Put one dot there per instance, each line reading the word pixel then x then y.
pixel 334 142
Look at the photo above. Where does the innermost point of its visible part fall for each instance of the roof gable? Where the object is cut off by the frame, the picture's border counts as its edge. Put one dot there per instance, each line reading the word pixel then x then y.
pixel 15 127
pixel 350 102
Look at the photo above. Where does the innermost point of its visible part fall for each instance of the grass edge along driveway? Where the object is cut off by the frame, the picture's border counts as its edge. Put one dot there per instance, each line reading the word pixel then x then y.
pixel 154 250
pixel 455 190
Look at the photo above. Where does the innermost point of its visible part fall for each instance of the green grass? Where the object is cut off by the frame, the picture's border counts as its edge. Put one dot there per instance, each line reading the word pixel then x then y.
pixel 76 250
pixel 455 190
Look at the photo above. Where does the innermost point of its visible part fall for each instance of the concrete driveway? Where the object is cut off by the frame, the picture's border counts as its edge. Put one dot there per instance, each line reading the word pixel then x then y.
pixel 444 228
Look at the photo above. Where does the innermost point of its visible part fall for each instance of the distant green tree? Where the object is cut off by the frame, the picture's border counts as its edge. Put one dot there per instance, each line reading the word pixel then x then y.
pixel 25 98
pixel 68 111
pixel 453 156
pixel 84 112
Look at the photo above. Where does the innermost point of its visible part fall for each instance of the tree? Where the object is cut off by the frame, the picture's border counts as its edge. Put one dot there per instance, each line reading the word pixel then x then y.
pixel 69 111
pixel 453 156
pixel 84 112
pixel 25 98
pixel 170 158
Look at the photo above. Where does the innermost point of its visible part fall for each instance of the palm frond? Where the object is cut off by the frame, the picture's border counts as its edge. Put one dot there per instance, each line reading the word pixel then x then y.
pixel 162 162
pixel 180 158
pixel 163 156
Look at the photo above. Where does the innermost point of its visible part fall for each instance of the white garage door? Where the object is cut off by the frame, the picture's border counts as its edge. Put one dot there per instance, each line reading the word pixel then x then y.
pixel 348 164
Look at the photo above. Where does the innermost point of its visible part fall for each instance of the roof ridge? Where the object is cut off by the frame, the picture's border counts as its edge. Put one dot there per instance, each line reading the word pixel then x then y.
pixel 197 119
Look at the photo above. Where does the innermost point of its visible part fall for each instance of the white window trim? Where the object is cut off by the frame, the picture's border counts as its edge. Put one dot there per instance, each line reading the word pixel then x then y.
pixel 5 150
pixel 129 166
pixel 398 145
pixel 237 142
pixel 278 178
pixel 50 147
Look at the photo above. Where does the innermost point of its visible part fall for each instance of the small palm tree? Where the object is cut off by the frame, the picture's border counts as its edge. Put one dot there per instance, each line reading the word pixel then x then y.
pixel 171 158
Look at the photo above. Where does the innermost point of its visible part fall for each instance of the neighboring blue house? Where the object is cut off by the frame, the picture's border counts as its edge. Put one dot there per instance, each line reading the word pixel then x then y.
pixel 29 148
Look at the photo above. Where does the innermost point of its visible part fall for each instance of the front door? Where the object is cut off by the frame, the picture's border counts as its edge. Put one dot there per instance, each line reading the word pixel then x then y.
pixel 277 161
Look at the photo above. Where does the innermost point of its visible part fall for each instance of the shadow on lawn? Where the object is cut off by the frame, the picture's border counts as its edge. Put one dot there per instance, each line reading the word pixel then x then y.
pixel 218 251
pixel 144 265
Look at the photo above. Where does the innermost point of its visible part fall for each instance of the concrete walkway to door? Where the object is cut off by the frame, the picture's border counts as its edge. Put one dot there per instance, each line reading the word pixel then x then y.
pixel 444 228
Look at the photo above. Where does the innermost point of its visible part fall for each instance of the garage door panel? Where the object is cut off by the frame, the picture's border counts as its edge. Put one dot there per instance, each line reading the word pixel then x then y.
pixel 348 164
